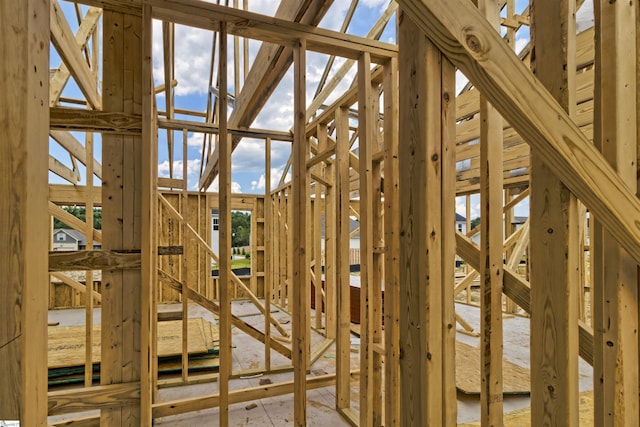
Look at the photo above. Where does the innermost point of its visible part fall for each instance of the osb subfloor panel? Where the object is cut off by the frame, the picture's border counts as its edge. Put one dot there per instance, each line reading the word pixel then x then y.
pixel 278 411
pixel 516 378
pixel 66 344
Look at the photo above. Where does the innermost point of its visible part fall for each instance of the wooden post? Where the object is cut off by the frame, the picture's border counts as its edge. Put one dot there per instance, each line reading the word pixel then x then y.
pixel 367 135
pixel 448 235
pixel 343 344
pixel 491 264
pixel 426 219
pixel 554 243
pixel 122 211
pixel 299 281
pixel 224 228
pixel 615 286
pixel 392 247
pixel 148 356
pixel 184 262
pixel 269 252
pixel 330 222
pixel 24 220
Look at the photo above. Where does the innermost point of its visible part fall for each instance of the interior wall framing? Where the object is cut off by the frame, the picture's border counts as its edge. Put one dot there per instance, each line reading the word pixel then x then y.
pixel 570 125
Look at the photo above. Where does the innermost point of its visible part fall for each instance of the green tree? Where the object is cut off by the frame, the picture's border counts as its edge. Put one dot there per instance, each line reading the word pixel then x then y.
pixel 80 212
pixel 240 228
pixel 475 222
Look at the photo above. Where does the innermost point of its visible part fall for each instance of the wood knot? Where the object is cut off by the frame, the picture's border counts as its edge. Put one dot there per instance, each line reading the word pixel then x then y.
pixel 473 42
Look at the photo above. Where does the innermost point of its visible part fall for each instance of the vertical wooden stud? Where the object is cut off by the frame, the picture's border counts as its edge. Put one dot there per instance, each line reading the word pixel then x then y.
pixel 224 228
pixel 616 280
pixel 491 262
pixel 122 206
pixel 269 250
pixel 343 342
pixel 24 65
pixel 392 246
pixel 424 160
pixel 148 352
pixel 299 281
pixel 555 239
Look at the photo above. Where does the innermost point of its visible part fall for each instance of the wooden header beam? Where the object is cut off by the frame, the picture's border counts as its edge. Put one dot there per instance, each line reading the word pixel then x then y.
pixel 251 25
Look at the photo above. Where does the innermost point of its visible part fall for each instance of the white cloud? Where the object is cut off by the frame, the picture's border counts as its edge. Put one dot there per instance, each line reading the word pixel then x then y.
pixel 248 156
pixel 375 3
pixel 276 174
pixel 521 43
pixel 259 184
pixel 193 167
pixel 235 187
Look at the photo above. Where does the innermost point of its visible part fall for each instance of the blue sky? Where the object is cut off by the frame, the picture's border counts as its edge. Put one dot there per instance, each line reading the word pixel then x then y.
pixel 193 54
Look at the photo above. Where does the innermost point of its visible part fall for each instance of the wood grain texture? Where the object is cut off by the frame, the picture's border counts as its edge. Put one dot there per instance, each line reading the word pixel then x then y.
pixel 616 283
pixel 149 233
pixel 122 202
pixel 24 55
pixel 458 29
pixel 299 278
pixel 343 343
pixel 93 260
pixel 392 247
pixel 491 250
pixel 110 122
pixel 107 396
pixel 366 145
pixel 224 145
pixel 424 159
pixel 555 251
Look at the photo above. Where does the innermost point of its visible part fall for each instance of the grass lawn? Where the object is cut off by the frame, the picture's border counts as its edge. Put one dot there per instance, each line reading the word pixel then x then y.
pixel 236 263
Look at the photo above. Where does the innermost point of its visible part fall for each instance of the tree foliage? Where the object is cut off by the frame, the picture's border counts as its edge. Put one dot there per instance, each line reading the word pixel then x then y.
pixel 475 222
pixel 80 212
pixel 240 228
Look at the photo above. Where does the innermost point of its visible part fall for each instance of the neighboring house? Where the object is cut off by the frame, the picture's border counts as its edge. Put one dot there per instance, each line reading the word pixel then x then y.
pixel 68 239
pixel 215 216
pixel 518 221
pixel 354 241
pixel 461 223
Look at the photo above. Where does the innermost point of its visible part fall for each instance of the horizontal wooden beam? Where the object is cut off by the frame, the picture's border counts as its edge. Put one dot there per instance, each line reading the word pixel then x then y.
pixel 268 29
pixel 88 421
pixel 82 120
pixel 460 31
pixel 202 127
pixel 98 397
pixel 130 7
pixel 69 195
pixel 93 260
pixel 76 119
pixel 237 396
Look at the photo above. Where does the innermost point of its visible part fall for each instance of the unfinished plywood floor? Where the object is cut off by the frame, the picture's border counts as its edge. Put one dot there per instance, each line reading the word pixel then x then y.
pixel 278 411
